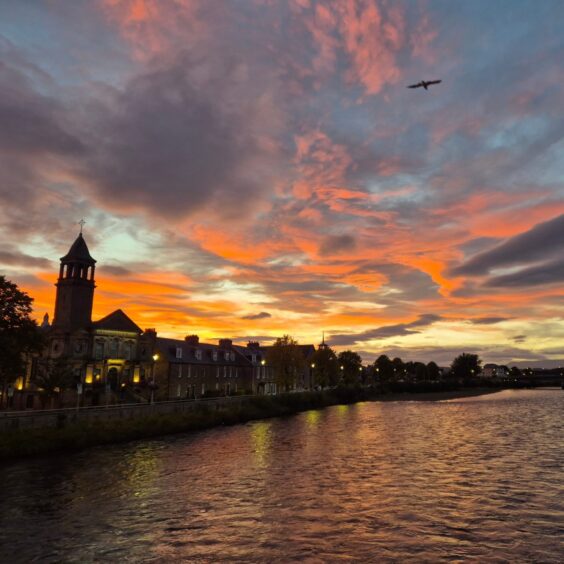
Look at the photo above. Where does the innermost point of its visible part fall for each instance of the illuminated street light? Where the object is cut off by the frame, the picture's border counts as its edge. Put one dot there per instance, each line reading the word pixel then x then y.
pixel 313 364
pixel 263 362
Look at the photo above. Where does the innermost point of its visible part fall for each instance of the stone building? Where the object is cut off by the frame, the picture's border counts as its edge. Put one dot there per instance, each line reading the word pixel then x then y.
pixel 189 369
pixel 109 357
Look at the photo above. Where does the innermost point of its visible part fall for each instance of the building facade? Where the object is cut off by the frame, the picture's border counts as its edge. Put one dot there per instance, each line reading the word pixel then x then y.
pixel 108 358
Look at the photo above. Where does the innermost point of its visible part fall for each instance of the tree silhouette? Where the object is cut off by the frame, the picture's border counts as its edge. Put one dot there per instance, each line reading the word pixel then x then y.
pixel 19 334
pixel 352 364
pixel 286 361
pixel 466 365
pixel 326 369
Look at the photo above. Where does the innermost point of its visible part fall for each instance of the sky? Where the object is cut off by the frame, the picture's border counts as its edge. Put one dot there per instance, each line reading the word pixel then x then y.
pixel 254 168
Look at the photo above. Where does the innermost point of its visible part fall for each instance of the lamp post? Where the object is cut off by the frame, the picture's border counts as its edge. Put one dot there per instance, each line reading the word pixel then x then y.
pixel 155 358
pixel 312 386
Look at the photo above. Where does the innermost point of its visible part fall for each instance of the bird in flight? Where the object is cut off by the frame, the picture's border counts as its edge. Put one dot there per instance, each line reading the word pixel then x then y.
pixel 425 84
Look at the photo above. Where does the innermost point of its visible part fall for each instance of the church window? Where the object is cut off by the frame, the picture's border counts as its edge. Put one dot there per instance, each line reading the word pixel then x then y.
pixel 99 350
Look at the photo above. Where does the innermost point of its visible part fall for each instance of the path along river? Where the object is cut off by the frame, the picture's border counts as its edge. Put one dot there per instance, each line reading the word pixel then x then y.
pixel 477 479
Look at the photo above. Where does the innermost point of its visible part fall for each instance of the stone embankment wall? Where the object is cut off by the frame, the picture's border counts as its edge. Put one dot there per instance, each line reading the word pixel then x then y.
pixel 58 418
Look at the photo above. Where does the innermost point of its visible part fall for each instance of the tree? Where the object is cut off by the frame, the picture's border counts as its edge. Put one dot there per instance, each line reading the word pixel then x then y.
pixel 420 372
pixel 466 366
pixel 433 371
pixel 53 378
pixel 383 369
pixel 19 334
pixel 352 367
pixel 325 369
pixel 286 360
pixel 399 368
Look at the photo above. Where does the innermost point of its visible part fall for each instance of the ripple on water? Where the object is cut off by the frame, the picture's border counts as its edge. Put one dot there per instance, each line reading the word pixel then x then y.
pixel 478 479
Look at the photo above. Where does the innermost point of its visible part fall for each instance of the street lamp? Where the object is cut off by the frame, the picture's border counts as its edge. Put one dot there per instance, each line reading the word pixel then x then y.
pixel 155 358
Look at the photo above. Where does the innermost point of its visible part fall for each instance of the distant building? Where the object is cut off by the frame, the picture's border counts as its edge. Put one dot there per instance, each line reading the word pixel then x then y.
pixel 491 370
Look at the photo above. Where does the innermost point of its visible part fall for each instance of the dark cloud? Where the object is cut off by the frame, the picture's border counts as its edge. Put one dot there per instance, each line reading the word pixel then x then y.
pixel 261 315
pixel 546 273
pixel 173 143
pixel 488 320
pixel 335 244
pixel 32 123
pixel 20 259
pixel 116 270
pixel 519 338
pixel 541 242
pixel 399 330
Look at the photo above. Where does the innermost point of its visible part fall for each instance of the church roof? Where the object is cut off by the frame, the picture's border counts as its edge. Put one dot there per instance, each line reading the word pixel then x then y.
pixel 78 251
pixel 117 321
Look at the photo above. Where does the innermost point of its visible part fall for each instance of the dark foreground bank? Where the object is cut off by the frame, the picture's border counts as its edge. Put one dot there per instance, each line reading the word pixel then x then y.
pixel 30 442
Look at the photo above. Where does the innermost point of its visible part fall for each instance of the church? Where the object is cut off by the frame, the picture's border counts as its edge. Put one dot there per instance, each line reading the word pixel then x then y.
pixel 110 356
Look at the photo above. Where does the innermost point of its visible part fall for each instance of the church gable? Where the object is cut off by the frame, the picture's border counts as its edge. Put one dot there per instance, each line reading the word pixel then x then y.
pixel 117 321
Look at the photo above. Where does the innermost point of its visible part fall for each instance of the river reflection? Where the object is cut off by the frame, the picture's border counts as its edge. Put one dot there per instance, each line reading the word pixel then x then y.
pixel 475 479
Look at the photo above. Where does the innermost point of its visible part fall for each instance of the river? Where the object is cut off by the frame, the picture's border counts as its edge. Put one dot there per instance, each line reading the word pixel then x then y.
pixel 476 479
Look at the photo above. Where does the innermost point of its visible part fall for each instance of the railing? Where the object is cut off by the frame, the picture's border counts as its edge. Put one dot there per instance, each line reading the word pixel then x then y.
pixel 115 406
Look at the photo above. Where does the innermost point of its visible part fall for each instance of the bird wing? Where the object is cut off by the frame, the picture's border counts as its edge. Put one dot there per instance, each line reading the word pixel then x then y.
pixel 434 81
pixel 415 85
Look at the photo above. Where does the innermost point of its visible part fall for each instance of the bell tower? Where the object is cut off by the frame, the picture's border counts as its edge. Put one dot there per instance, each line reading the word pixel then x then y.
pixel 75 288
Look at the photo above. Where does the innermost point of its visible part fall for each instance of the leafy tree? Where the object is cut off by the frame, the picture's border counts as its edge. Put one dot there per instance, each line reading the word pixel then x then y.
pixel 383 369
pixel 466 366
pixel 433 371
pixel 420 372
pixel 53 378
pixel 286 360
pixel 398 368
pixel 19 335
pixel 352 365
pixel 326 370
pixel 515 372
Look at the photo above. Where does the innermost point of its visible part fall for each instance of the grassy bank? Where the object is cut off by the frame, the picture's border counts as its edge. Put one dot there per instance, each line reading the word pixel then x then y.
pixel 29 442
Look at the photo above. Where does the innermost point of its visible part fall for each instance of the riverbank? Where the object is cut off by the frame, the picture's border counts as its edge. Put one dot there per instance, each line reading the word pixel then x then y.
pixel 31 442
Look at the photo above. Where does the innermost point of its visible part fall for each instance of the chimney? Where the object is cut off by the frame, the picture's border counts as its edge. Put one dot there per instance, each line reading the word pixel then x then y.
pixel 192 339
pixel 253 345
pixel 225 343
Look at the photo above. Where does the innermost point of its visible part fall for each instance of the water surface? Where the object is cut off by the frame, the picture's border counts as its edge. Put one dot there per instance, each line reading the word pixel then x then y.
pixel 477 479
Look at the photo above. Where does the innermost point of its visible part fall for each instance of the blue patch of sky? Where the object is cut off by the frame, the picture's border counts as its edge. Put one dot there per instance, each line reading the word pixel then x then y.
pixel 69 41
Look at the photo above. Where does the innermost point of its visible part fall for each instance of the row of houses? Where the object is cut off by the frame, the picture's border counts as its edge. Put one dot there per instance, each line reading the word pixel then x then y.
pixel 113 359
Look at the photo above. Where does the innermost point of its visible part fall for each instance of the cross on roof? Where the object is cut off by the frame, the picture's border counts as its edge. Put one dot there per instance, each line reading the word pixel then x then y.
pixel 81 223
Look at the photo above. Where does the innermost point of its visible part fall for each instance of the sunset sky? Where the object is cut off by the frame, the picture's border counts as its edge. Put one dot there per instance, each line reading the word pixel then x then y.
pixel 249 168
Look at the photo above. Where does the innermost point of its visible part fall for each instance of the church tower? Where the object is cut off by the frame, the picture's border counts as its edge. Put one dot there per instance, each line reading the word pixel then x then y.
pixel 75 288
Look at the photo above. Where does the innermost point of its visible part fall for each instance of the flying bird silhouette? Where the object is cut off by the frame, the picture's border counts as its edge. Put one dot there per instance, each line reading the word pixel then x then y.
pixel 425 84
